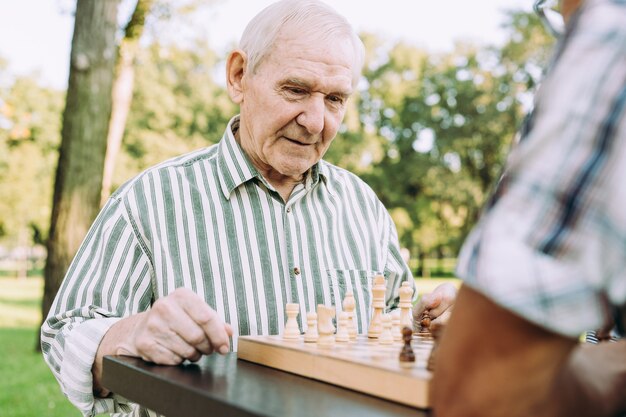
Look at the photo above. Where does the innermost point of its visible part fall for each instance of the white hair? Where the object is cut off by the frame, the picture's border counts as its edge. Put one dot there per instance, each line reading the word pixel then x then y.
pixel 310 18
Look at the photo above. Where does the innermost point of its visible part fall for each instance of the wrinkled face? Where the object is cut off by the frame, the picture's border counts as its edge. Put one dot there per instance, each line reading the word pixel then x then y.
pixel 293 104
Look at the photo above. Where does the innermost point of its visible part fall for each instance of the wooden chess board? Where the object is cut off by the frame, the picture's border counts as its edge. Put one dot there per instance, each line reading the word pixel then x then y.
pixel 363 365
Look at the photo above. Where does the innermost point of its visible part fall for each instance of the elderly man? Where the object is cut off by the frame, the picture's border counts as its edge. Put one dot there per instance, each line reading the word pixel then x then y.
pixel 214 243
pixel 548 259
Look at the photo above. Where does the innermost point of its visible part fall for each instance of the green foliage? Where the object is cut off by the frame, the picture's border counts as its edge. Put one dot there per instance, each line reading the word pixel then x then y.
pixel 429 132
pixel 29 139
pixel 436 129
pixel 176 107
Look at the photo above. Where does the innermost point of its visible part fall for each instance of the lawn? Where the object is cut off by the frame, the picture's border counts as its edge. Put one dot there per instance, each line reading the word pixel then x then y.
pixel 27 387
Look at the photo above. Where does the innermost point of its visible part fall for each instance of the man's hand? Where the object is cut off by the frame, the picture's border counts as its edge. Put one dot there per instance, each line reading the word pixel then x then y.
pixel 178 327
pixel 438 303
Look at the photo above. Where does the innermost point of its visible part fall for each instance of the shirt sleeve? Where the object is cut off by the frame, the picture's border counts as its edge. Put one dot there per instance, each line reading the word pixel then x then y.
pixel 551 246
pixel 108 279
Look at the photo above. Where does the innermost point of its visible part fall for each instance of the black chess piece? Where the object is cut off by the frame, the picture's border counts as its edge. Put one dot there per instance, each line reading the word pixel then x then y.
pixel 406 354
pixel 436 333
pixel 425 321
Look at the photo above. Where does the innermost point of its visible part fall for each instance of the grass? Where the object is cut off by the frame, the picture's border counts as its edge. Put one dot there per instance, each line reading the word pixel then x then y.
pixel 426 285
pixel 27 387
pixel 20 302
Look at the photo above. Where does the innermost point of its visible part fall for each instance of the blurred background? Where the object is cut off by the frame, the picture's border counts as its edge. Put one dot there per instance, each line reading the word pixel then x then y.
pixel 445 87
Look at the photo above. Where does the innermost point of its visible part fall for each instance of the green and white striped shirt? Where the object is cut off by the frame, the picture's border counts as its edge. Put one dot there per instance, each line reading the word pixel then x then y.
pixel 210 222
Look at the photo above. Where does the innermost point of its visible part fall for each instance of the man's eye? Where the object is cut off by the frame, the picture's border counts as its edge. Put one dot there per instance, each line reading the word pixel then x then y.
pixel 296 91
pixel 335 99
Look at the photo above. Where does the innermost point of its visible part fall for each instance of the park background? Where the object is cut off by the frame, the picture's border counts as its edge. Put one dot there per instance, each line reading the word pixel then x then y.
pixel 445 87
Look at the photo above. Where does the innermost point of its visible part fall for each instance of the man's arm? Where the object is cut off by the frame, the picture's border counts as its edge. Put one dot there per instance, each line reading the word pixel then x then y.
pixel 491 362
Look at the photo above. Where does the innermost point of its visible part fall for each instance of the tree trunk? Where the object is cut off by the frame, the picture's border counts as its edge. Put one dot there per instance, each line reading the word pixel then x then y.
pixel 78 182
pixel 123 91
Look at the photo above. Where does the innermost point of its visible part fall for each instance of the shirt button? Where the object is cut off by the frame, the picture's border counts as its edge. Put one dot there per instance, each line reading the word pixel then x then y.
pixel 296 270
pixel 288 209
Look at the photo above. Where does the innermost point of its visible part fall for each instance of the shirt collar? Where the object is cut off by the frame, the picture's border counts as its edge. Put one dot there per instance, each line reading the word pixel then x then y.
pixel 234 166
pixel 236 169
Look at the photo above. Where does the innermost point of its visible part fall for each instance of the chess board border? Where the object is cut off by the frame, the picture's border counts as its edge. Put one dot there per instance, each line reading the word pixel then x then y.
pixel 384 379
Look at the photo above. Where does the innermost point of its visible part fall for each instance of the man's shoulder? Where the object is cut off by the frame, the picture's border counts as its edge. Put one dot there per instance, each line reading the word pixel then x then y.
pixel 205 157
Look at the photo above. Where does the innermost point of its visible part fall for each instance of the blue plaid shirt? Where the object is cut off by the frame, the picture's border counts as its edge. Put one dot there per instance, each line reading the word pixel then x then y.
pixel 551 244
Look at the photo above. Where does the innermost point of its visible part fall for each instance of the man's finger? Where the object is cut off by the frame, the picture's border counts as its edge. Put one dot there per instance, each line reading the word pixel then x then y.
pixel 213 326
pixel 427 302
pixel 442 320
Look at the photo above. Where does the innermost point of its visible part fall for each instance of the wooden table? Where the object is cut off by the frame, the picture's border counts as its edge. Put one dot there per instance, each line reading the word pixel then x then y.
pixel 224 386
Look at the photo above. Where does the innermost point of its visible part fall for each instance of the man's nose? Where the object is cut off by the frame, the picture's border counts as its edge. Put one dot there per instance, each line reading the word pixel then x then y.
pixel 312 115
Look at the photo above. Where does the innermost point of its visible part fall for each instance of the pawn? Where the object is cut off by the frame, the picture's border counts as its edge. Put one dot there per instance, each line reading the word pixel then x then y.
pixel 396 331
pixel 407 357
pixel 386 337
pixel 311 334
pixel 292 330
pixel 349 305
pixel 342 327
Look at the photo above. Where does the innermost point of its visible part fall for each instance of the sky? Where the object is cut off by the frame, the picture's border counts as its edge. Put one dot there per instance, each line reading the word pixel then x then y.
pixel 35 35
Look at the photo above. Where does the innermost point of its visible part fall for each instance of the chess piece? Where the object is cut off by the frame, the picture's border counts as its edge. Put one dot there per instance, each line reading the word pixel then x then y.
pixel 349 305
pixel 407 357
pixel 386 337
pixel 292 330
pixel 396 330
pixel 406 297
pixel 378 304
pixel 436 333
pixel 311 334
pixel 424 324
pixel 325 327
pixel 342 328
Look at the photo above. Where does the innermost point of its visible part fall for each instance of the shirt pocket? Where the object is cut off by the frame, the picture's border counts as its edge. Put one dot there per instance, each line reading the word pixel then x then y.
pixel 360 283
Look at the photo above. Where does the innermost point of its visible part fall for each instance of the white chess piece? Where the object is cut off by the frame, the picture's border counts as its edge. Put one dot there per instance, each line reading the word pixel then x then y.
pixel 396 330
pixel 406 296
pixel 342 328
pixel 349 305
pixel 292 330
pixel 378 304
pixel 325 327
pixel 311 334
pixel 386 338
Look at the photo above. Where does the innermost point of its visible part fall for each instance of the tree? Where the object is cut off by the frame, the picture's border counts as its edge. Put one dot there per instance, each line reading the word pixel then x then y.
pixel 442 126
pixel 29 137
pixel 78 181
pixel 123 90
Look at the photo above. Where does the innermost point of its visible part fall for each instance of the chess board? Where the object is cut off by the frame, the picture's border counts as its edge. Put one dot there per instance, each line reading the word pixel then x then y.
pixel 362 365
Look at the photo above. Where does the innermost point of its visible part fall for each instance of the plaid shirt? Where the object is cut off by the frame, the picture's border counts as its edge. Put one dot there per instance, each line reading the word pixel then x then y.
pixel 551 244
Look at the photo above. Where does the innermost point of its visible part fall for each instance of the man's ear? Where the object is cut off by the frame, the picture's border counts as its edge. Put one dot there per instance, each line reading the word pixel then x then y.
pixel 235 71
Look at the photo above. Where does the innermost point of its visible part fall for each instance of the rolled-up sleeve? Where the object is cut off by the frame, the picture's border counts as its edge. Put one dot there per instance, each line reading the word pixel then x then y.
pixel 108 279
